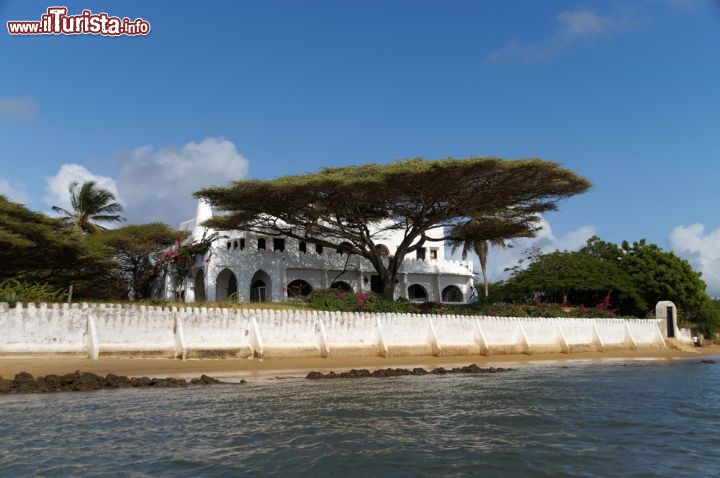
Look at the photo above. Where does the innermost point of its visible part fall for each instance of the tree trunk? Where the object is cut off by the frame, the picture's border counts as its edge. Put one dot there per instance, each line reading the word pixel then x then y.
pixel 486 283
pixel 565 298
pixel 388 292
pixel 482 250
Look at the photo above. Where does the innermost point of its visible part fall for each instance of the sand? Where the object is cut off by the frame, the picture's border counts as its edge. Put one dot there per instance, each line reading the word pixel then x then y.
pixel 269 368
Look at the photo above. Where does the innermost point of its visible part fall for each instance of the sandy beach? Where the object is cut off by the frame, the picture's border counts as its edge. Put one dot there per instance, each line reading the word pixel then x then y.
pixel 268 368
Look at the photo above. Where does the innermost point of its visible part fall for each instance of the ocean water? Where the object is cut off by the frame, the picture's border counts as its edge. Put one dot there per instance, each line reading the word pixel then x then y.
pixel 581 419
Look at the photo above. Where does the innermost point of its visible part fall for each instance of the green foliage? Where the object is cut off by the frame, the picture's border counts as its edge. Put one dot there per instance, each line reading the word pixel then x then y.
pixel 539 310
pixel 578 277
pixel 336 300
pixel 179 259
pixel 631 277
pixel 38 249
pixel 90 205
pixel 415 196
pixel 13 291
pixel 136 250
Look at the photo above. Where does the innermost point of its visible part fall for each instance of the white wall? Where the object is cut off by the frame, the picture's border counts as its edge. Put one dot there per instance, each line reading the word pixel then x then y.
pixel 217 332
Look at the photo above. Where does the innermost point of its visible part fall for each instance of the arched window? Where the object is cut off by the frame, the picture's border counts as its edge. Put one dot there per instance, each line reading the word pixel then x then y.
pixel 298 289
pixel 452 293
pixel 418 293
pixel 342 286
pixel 226 285
pixel 260 287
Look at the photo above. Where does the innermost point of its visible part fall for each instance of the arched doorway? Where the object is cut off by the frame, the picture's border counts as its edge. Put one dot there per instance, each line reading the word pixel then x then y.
pixel 260 287
pixel 298 289
pixel 341 285
pixel 417 293
pixel 200 286
pixel 226 285
pixel 452 293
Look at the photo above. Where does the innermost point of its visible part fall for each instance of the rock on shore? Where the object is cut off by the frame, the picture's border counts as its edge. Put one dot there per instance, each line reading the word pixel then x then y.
pixel 79 382
pixel 399 372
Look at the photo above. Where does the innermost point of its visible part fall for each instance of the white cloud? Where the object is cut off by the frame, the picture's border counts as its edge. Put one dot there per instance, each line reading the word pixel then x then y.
pixel 575 26
pixel 545 240
pixel 157 185
pixel 56 190
pixel 13 191
pixel 702 250
pixel 17 109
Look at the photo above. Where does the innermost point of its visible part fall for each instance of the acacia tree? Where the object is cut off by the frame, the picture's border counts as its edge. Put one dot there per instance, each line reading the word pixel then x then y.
pixel 39 249
pixel 358 204
pixel 136 250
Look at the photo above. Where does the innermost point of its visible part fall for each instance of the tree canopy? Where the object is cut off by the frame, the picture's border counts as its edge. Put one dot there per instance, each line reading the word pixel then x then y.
pixel 416 196
pixel 136 250
pixel 90 205
pixel 637 276
pixel 42 249
pixel 577 277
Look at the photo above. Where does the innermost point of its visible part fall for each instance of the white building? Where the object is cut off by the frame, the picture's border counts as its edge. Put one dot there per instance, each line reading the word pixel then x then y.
pixel 254 267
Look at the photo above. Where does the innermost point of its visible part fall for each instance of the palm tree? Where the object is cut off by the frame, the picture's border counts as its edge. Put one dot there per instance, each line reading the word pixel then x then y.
pixel 90 205
pixel 479 234
pixel 481 248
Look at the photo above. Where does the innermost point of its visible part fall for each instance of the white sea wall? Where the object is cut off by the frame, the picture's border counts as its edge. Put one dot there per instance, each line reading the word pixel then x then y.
pixel 192 332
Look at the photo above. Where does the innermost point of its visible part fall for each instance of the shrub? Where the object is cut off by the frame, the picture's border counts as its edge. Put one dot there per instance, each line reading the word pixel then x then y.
pixel 13 291
pixel 336 300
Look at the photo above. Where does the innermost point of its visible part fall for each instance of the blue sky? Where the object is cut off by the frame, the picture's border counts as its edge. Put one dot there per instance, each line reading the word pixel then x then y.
pixel 623 92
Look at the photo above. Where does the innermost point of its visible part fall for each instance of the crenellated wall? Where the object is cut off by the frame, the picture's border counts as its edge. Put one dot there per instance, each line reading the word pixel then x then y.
pixel 192 332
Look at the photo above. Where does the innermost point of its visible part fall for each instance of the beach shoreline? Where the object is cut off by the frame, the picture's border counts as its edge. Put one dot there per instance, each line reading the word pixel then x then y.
pixel 299 367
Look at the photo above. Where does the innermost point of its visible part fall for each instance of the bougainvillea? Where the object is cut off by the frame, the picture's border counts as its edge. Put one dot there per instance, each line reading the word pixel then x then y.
pixel 180 258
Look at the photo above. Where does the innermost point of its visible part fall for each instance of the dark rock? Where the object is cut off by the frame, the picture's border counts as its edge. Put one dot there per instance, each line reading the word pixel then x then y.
pixel 115 381
pixel 87 381
pixel 24 378
pixel 473 368
pixel 5 385
pixel 398 372
pixel 708 361
pixel 25 383
pixel 142 381
pixel 52 382
pixel 69 379
pixel 362 373
pixel 208 380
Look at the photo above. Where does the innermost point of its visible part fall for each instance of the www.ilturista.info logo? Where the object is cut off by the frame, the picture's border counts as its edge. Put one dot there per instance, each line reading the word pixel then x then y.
pixel 57 22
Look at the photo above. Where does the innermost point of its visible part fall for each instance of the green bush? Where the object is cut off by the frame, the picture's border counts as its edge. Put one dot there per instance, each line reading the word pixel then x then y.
pixel 13 291
pixel 335 300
